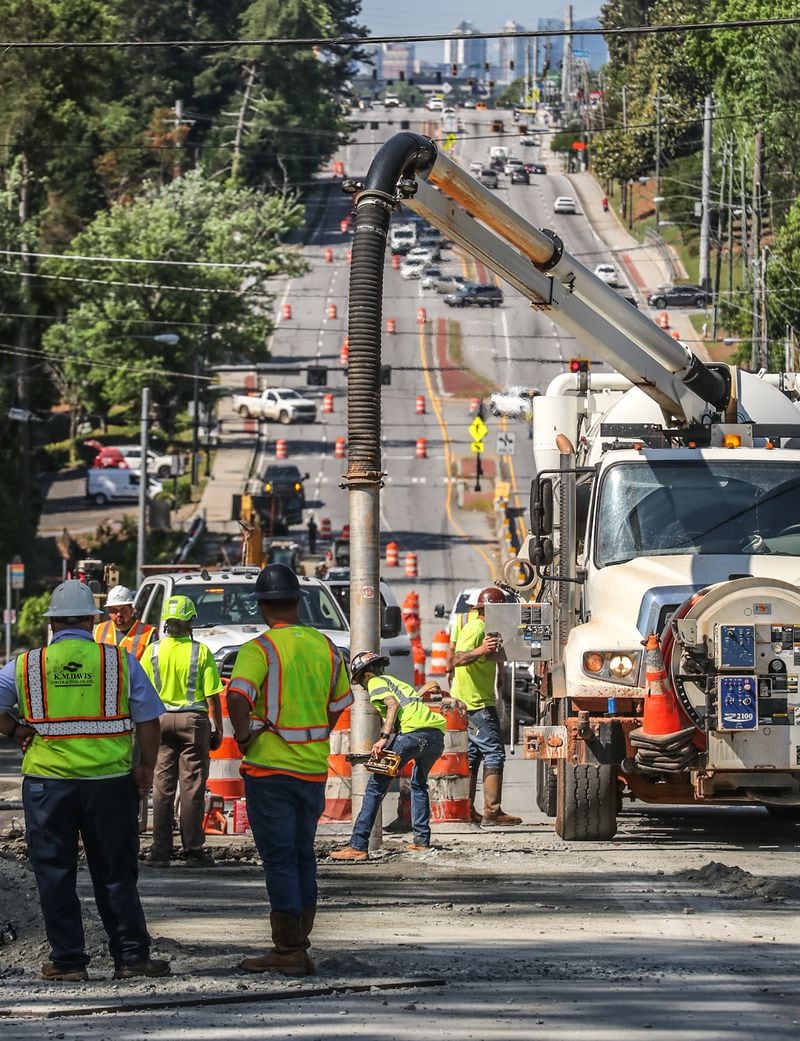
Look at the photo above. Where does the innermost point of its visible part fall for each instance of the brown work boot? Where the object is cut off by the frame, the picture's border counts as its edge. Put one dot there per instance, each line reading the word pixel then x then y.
pixel 474 816
pixel 493 816
pixel 348 853
pixel 417 847
pixel 149 967
pixel 54 974
pixel 306 925
pixel 288 956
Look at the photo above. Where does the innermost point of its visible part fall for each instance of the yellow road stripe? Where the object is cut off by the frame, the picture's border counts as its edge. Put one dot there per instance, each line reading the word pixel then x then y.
pixel 437 409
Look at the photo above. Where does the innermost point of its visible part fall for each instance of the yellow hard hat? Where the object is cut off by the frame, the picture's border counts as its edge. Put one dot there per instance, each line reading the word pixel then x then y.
pixel 180 607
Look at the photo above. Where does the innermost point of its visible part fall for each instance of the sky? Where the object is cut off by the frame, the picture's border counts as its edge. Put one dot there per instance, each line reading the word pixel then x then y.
pixel 420 16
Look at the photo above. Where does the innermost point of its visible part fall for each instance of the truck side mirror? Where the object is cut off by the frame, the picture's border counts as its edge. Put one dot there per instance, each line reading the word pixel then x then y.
pixel 438 611
pixel 392 622
pixel 305 477
pixel 541 506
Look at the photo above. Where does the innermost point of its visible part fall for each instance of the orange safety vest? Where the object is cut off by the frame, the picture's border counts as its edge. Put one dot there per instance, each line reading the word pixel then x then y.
pixel 135 639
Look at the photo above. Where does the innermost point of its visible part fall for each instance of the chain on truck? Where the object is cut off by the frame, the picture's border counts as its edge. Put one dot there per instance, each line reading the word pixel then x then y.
pixel 665 511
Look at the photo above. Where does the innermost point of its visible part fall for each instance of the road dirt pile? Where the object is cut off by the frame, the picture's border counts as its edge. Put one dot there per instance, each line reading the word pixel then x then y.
pixel 729 880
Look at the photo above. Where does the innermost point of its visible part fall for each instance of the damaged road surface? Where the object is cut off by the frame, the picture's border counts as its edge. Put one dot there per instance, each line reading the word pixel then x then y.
pixel 684 927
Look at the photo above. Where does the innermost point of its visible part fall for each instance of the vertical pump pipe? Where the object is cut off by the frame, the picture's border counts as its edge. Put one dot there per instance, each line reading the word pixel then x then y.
pixel 374 202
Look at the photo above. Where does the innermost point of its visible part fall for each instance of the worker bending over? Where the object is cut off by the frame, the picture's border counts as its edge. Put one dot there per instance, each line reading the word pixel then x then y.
pixel 122 628
pixel 419 738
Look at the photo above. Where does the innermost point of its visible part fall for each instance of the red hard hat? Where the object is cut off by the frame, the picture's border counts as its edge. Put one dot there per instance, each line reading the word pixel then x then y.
pixel 490 595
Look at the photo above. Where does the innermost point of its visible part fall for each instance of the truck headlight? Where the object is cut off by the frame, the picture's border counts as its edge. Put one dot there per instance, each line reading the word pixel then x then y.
pixel 613 666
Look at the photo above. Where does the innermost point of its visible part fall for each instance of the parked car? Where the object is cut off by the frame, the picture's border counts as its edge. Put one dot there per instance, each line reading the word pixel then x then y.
pixel 160 465
pixel 117 485
pixel 519 175
pixel 109 457
pixel 395 643
pixel 284 482
pixel 449 283
pixel 536 168
pixel 413 268
pixel 488 177
pixel 473 295
pixel 402 237
pixel 430 276
pixel 607 273
pixel 679 296
pixel 391 101
pixel 565 204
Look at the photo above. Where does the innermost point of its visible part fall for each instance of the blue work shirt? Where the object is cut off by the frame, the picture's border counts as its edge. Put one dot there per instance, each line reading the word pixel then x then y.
pixel 145 703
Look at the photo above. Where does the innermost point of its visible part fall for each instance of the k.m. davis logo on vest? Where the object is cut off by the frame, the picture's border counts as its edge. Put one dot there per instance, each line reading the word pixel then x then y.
pixel 72 674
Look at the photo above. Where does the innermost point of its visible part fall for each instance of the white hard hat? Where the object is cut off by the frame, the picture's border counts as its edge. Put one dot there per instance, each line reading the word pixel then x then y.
pixel 72 599
pixel 119 596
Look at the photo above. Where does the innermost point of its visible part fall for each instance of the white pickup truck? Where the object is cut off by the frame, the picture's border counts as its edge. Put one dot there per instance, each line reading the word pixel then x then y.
pixel 278 403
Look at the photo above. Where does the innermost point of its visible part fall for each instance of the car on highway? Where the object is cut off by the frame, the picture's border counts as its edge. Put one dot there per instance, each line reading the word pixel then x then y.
pixel 469 103
pixel 536 168
pixel 283 404
pixel 413 268
pixel 449 283
pixel 431 275
pixel 519 175
pixel 427 254
pixel 488 177
pixel 565 204
pixel 626 294
pixel 284 483
pixel 402 237
pixel 512 163
pixel 391 101
pixel 679 296
pixel 434 104
pixel 528 140
pixel 475 166
pixel 160 465
pixel 117 485
pixel 607 273
pixel 473 294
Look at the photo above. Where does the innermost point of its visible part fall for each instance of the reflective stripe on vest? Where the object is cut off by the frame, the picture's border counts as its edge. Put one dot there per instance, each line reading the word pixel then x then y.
pixel 191 683
pixel 272 698
pixel 394 690
pixel 110 691
pixel 135 640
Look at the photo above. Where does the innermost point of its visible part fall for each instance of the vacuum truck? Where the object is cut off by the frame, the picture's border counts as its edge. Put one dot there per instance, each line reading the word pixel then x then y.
pixel 661 565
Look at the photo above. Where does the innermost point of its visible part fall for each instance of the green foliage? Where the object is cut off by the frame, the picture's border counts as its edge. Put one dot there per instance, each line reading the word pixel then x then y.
pixel 564 139
pixel 31 623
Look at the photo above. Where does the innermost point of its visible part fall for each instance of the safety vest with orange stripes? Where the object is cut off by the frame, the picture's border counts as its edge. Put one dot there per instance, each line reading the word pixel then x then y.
pixel 135 639
pixel 293 676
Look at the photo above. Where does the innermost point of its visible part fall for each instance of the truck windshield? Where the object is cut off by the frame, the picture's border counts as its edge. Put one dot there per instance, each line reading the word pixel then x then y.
pixel 229 603
pixel 707 506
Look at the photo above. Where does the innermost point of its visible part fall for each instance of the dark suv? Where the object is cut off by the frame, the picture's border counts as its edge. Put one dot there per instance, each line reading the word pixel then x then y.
pixel 472 294
pixel 679 296
pixel 284 482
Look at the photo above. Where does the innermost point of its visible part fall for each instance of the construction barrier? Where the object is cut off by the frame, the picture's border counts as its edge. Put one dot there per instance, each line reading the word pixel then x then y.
pixel 396 261
pixel 440 653
pixel 422 449
pixel 391 325
pixel 325 527
pixel 420 409
pixel 339 783
pixel 223 776
pixel 663 319
pixel 344 354
pixel 392 554
pixel 418 653
pixel 327 403
pixel 286 310
pixel 344 225
pixel 411 615
pixel 340 448
pixel 675 334
pixel 411 565
pixel 448 781
pixel 332 311
pixel 474 405
pixel 328 256
pixel 281 449
pixel 422 316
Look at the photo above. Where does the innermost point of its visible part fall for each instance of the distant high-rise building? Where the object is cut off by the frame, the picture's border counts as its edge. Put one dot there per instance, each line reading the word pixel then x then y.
pixel 468 54
pixel 397 58
pixel 510 50
pixel 592 49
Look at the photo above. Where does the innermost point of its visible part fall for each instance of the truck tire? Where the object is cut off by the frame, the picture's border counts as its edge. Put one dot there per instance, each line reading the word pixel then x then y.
pixel 284 417
pixel 100 499
pixel 546 789
pixel 587 802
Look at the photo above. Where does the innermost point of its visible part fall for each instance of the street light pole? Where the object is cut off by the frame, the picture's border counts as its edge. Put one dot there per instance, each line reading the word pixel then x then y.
pixel 141 534
pixel 195 416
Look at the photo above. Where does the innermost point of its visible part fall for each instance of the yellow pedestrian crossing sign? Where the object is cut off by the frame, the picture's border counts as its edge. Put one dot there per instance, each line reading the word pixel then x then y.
pixel 478 446
pixel 478 430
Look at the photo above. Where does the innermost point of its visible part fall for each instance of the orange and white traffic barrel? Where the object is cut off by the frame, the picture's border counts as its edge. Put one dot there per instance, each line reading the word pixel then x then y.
pixel 328 256
pixel 474 405
pixel 418 653
pixel 286 311
pixel 281 449
pixel 339 782
pixel 421 451
pixel 332 311
pixel 663 320
pixel 411 565
pixel 327 403
pixel 344 225
pixel 325 527
pixel 411 622
pixel 440 653
pixel 391 325
pixel 223 776
pixel 344 353
pixel 392 554
pixel 448 781
pixel 420 409
pixel 422 316
pixel 340 448
pixel 396 261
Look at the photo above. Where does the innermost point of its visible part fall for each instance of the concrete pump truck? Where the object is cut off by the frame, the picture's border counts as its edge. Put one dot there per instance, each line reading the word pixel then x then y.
pixel 662 562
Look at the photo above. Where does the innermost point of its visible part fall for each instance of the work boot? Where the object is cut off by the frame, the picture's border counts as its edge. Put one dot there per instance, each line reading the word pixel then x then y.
pixel 397 827
pixel 493 816
pixel 288 956
pixel 417 847
pixel 55 974
pixel 307 924
pixel 149 967
pixel 474 816
pixel 200 858
pixel 349 853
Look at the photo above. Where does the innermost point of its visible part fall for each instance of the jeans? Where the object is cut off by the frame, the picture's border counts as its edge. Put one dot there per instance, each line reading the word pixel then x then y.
pixel 283 813
pixel 424 747
pixel 105 814
pixel 485 739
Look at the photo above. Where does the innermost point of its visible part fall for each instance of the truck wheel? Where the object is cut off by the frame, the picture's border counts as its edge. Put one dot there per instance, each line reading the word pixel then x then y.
pixel 587 801
pixel 546 788
pixel 244 411
pixel 285 418
pixel 100 499
pixel 163 471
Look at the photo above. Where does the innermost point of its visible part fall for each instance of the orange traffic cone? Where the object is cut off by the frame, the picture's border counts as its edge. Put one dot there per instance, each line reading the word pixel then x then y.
pixel 661 715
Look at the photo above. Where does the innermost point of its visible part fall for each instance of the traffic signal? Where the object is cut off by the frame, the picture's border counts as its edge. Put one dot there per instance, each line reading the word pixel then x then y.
pixel 438 75
pixel 579 365
pixel 453 69
pixel 316 376
pixel 386 375
pixel 511 65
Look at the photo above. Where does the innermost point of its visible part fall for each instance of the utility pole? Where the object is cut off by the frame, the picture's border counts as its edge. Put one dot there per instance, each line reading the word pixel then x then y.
pixel 757 257
pixel 658 159
pixel 705 196
pixel 141 534
pixel 718 267
pixel 566 66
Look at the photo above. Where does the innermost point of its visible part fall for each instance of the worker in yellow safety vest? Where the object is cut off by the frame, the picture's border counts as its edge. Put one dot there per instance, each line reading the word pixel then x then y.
pixel 122 628
pixel 288 687
pixel 459 622
pixel 72 708
pixel 184 673
pixel 419 739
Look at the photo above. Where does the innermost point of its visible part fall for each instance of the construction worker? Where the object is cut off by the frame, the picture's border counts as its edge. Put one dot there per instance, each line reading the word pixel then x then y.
pixel 420 738
pixel 122 628
pixel 459 622
pixel 184 673
pixel 72 707
pixel 288 687
pixel 475 683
